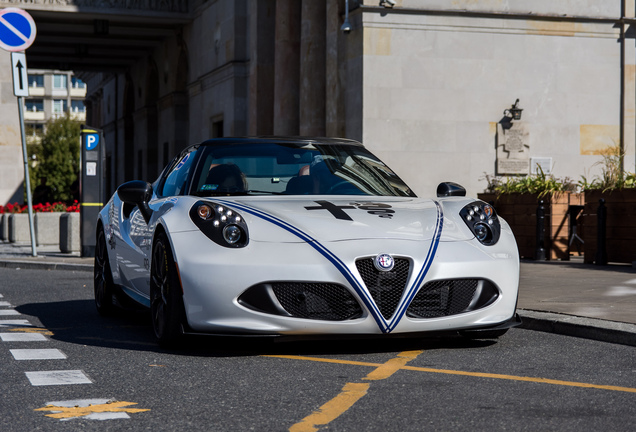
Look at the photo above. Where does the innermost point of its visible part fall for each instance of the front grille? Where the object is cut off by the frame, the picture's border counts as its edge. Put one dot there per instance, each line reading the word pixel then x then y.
pixel 319 301
pixel 443 298
pixel 386 287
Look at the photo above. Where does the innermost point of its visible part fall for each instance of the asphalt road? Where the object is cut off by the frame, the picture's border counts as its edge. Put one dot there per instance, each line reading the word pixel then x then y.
pixel 525 381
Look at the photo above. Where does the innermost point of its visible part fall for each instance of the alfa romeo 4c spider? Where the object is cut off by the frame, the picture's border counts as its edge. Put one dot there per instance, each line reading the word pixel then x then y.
pixel 300 237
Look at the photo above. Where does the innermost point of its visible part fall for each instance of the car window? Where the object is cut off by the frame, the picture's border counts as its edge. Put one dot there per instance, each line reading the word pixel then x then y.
pixel 176 180
pixel 282 168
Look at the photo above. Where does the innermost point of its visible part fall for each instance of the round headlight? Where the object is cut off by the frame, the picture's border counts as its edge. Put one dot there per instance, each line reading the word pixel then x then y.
pixel 232 234
pixel 204 211
pixel 482 231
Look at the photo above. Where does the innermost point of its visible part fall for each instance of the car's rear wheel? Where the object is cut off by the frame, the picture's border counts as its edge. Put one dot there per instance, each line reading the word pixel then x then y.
pixel 166 295
pixel 103 279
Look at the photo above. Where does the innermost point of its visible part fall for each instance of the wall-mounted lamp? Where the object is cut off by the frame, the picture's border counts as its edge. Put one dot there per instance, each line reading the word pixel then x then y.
pixel 346 26
pixel 514 112
pixel 387 3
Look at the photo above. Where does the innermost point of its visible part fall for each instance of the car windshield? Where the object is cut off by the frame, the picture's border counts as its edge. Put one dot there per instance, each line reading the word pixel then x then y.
pixel 293 169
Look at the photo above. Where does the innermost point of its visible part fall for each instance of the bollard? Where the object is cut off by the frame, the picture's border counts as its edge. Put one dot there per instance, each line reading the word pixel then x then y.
pixel 539 253
pixel 601 251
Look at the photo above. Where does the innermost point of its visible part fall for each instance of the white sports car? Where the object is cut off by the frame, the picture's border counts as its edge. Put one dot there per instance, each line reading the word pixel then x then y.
pixel 290 236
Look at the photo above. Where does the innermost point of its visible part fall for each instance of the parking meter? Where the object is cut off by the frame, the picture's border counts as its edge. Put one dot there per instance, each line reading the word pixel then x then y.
pixel 91 185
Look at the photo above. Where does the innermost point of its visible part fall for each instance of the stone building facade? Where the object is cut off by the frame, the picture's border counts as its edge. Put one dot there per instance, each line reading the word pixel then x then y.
pixel 423 83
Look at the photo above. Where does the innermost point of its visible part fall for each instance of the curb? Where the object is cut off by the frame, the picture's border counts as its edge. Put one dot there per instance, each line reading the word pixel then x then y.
pixel 44 265
pixel 586 328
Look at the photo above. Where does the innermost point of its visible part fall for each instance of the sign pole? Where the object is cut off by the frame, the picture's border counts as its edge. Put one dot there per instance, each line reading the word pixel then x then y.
pixel 27 180
pixel 17 33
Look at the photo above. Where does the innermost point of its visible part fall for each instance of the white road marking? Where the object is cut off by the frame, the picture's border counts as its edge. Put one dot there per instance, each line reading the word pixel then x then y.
pixel 38 354
pixel 4 312
pixel 22 337
pixel 5 303
pixel 59 377
pixel 15 323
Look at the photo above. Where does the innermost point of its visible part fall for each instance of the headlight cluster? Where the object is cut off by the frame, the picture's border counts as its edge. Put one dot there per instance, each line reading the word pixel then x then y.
pixel 482 220
pixel 220 224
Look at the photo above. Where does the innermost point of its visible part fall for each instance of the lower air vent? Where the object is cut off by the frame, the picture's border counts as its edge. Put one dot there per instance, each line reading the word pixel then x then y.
pixel 451 297
pixel 318 301
pixel 386 287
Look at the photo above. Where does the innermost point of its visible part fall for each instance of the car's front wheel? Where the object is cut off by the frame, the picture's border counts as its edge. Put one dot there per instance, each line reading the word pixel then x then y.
pixel 166 295
pixel 102 277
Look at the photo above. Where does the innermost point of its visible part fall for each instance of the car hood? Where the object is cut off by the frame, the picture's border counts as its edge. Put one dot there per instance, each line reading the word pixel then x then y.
pixel 331 218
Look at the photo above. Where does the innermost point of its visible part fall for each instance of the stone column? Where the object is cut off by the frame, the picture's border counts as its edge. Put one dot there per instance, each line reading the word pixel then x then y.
pixel 287 67
pixel 261 82
pixel 312 68
pixel 335 56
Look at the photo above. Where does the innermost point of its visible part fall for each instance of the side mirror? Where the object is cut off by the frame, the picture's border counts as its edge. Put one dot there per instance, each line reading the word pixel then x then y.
pixel 447 189
pixel 137 192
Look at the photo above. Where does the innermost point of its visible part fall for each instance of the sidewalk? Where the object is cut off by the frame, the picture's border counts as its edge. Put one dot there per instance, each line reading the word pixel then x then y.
pixel 564 297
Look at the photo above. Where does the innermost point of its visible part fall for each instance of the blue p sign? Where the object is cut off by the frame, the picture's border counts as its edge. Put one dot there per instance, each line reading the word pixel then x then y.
pixel 92 140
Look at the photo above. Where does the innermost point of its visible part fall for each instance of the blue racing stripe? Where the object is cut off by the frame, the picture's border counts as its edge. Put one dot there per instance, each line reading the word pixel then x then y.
pixel 342 268
pixel 413 288
pixel 383 324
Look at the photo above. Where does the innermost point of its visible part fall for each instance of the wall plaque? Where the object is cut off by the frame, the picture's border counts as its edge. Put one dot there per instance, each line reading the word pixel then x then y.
pixel 513 149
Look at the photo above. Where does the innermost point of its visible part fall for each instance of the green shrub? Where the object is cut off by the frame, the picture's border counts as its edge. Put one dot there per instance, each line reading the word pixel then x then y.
pixel 540 183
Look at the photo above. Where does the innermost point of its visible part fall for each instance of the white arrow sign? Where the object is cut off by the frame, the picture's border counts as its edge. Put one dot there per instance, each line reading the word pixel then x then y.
pixel 20 77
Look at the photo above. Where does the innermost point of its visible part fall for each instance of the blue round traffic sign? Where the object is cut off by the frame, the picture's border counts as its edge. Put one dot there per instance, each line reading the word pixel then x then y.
pixel 17 29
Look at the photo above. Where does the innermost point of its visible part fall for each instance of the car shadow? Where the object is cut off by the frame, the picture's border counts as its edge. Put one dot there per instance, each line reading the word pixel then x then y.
pixel 77 322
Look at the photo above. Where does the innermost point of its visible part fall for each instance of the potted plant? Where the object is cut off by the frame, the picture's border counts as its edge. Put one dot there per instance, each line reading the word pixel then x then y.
pixel 516 199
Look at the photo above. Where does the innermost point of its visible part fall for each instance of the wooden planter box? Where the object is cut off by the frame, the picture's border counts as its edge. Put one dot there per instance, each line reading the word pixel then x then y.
pixel 520 211
pixel 620 243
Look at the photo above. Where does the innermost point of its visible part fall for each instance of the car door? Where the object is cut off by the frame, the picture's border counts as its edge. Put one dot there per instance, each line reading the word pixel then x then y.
pixel 135 253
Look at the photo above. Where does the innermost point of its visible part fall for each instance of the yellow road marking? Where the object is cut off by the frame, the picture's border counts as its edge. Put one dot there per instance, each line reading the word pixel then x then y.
pixel 351 392
pixel 392 366
pixel 464 373
pixel 43 331
pixel 60 412
pixel 525 379
pixel 325 360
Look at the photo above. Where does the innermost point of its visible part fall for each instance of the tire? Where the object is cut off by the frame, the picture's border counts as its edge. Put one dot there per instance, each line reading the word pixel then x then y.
pixel 103 285
pixel 166 295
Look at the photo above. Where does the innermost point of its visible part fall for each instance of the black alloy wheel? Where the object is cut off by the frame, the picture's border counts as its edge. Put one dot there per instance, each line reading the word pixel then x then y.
pixel 103 279
pixel 166 295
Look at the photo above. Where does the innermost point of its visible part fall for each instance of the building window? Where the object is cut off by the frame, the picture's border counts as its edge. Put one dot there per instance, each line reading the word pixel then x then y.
pixel 217 129
pixel 77 83
pixel 60 106
pixel 34 105
pixel 59 82
pixel 36 80
pixel 77 106
pixel 34 130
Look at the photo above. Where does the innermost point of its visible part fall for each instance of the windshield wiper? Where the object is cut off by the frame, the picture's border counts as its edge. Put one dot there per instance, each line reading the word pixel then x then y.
pixel 263 192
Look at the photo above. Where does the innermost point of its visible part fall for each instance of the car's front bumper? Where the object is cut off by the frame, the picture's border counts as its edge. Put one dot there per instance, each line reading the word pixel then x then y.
pixel 213 280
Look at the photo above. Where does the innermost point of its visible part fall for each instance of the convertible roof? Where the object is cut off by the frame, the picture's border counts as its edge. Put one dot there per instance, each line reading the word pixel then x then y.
pixel 279 139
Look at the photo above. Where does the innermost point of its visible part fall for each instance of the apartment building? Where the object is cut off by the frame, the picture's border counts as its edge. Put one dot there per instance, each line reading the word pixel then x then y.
pixel 52 93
